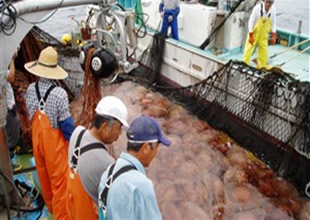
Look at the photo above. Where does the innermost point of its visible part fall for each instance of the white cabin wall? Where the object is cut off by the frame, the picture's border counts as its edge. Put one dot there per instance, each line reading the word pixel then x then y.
pixel 195 20
pixel 234 29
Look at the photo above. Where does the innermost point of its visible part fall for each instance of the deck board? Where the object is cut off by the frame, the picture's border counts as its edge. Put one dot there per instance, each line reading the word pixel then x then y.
pixel 299 66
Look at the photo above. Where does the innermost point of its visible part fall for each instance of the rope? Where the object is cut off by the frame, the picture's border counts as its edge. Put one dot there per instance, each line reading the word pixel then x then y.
pixel 91 94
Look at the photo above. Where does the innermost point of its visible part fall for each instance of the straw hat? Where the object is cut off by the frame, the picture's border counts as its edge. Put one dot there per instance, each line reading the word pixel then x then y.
pixel 46 66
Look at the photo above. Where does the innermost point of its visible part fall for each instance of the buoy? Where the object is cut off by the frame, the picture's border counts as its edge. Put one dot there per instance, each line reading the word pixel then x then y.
pixel 66 39
pixel 269 67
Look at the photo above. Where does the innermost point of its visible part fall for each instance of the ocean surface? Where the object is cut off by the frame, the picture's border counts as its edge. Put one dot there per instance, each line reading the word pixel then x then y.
pixel 289 13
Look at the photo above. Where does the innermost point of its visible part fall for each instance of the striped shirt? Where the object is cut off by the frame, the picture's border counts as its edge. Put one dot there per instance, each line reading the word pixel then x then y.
pixel 57 103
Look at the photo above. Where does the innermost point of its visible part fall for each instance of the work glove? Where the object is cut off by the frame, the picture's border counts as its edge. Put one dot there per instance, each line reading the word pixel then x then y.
pixel 170 18
pixel 251 38
pixel 273 38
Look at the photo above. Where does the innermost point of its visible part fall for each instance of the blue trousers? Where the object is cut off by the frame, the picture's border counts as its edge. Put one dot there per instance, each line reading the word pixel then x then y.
pixel 173 24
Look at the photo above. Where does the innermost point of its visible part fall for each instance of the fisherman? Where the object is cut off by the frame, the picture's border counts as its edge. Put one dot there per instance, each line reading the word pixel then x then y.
pixel 52 126
pixel 262 21
pixel 128 193
pixel 13 126
pixel 169 11
pixel 88 157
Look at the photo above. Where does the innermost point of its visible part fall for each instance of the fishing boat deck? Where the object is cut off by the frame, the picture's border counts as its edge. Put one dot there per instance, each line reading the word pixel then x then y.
pixel 298 66
pixel 28 174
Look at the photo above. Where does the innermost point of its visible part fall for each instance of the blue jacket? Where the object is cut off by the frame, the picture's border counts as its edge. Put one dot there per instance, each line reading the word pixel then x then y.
pixel 131 195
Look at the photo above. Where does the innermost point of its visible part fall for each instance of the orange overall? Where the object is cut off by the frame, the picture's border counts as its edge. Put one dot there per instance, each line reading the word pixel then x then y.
pixel 79 204
pixel 50 150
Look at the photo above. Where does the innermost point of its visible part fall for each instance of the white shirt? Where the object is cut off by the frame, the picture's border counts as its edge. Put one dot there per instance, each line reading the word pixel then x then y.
pixel 10 100
pixel 256 14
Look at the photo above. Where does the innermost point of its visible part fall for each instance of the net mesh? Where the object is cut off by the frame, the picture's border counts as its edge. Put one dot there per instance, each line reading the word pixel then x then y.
pixel 152 59
pixel 265 111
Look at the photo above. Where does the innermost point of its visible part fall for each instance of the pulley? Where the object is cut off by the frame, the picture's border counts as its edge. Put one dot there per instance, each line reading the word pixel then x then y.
pixel 103 63
pixel 83 53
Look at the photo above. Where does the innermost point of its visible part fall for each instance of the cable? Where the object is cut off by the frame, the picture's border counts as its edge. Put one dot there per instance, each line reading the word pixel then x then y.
pixel 121 7
pixel 9 11
pixel 143 25
pixel 39 215
pixel 39 22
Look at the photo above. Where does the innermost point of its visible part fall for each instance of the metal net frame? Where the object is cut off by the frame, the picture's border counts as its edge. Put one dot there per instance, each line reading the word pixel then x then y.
pixel 265 111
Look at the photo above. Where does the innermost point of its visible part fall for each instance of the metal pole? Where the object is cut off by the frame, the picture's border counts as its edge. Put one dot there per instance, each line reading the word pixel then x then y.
pixel 29 6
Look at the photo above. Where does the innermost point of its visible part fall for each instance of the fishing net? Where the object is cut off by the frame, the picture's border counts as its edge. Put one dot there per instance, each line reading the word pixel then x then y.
pixel 265 111
pixel 152 58
pixel 91 94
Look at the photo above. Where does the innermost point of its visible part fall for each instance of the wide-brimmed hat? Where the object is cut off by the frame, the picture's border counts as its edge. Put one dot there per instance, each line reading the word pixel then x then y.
pixel 46 66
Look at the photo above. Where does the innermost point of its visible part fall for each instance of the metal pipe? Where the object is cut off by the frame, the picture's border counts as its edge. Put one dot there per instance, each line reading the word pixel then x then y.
pixel 120 17
pixel 299 27
pixel 29 6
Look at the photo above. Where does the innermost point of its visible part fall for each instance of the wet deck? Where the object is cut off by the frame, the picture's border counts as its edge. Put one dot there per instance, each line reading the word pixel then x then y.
pixel 298 67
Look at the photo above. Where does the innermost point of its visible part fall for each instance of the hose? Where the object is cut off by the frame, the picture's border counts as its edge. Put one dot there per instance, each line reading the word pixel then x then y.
pixel 143 25
pixel 10 11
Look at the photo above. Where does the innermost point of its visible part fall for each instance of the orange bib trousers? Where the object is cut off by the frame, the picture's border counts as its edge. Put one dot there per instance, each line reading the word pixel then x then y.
pixel 80 205
pixel 50 150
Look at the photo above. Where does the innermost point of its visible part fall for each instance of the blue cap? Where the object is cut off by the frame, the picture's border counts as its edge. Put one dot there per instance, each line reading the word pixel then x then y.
pixel 145 129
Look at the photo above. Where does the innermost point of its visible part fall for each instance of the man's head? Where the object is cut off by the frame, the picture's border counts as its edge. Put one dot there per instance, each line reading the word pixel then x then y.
pixel 111 115
pixel 46 66
pixel 144 136
pixel 268 4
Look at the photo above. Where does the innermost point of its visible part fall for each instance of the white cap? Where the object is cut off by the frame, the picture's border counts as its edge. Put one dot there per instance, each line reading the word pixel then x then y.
pixel 113 107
